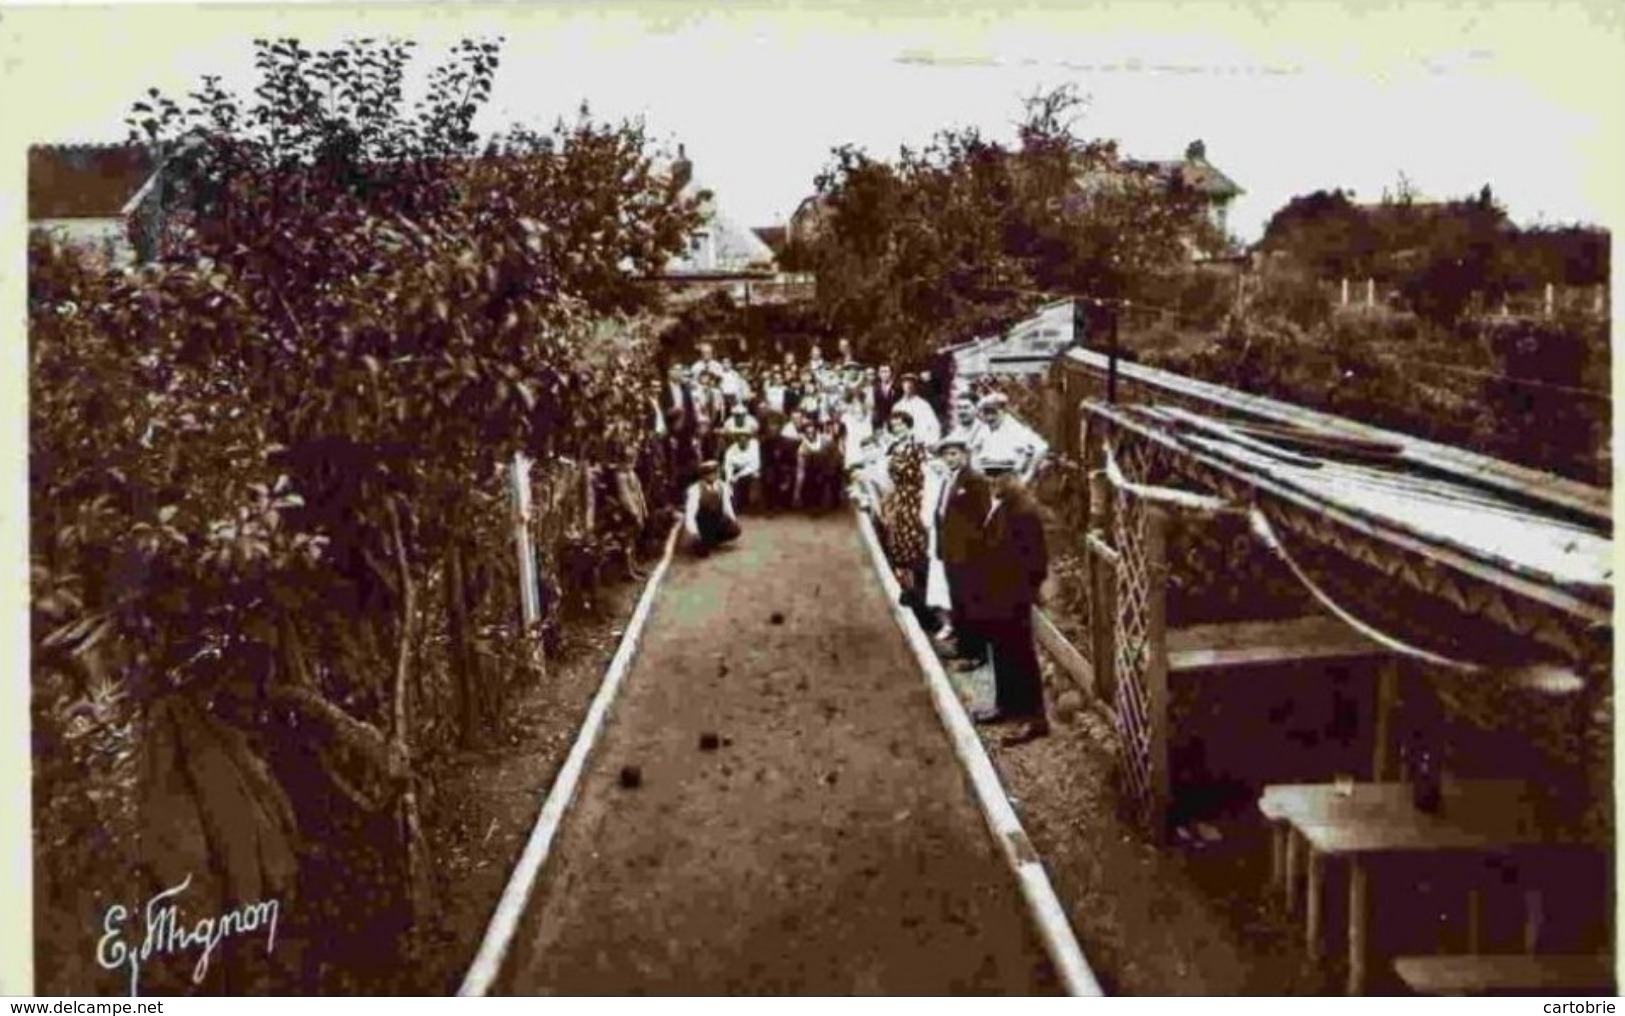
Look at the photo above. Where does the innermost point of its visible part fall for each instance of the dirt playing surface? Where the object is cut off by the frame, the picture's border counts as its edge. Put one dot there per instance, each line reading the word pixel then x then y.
pixel 827 844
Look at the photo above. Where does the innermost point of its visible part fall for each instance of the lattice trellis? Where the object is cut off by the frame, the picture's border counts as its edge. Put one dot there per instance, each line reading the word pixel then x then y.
pixel 1127 562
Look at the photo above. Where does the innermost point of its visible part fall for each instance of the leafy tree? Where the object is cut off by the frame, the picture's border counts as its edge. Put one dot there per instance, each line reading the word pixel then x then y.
pixel 265 468
pixel 1326 232
pixel 968 235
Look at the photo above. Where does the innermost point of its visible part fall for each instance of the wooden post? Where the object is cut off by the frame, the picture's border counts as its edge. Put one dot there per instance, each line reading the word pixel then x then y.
pixel 1475 919
pixel 1382 710
pixel 1295 847
pixel 1102 591
pixel 1370 292
pixel 1550 294
pixel 1313 891
pixel 529 590
pixel 1345 292
pixel 589 504
pixel 1359 913
pixel 1156 664
pixel 1279 834
pixel 1534 918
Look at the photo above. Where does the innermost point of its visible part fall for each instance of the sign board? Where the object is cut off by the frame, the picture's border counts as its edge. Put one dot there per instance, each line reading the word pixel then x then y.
pixel 1026 349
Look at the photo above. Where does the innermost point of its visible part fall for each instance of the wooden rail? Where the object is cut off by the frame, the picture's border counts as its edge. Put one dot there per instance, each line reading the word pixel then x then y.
pixel 1560 496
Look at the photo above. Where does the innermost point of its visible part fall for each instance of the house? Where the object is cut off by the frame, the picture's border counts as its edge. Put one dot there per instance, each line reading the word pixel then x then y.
pixel 86 194
pixel 807 220
pixel 1195 173
pixel 774 237
pixel 723 256
pixel 719 246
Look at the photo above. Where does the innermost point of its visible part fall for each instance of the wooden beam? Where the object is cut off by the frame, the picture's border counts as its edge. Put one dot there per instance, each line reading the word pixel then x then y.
pixel 1065 654
pixel 1386 700
pixel 1482 975
pixel 1263 643
pixel 1072 663
pixel 1595 504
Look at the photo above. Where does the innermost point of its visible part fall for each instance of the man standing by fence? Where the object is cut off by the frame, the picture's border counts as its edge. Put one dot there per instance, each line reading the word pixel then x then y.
pixel 959 513
pixel 1008 573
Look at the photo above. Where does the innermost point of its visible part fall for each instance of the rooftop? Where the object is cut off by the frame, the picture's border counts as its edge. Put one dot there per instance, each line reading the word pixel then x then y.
pixel 84 181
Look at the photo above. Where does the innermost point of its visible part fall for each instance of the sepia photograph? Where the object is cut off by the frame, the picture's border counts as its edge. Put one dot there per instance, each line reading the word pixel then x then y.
pixel 828 499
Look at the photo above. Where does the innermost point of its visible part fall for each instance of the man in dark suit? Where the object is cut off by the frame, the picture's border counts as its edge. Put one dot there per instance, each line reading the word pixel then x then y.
pixel 940 385
pixel 677 402
pixel 1013 563
pixel 958 515
pixel 885 396
pixel 677 399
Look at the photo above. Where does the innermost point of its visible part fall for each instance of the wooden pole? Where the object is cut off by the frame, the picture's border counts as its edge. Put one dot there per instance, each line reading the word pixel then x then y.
pixel 1345 292
pixel 589 500
pixel 1156 668
pixel 1111 370
pixel 529 589
pixel 1359 915
pixel 1382 754
pixel 1314 889
pixel 1102 590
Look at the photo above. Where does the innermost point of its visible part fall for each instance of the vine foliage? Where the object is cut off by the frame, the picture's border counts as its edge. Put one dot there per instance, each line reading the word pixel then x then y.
pixel 265 472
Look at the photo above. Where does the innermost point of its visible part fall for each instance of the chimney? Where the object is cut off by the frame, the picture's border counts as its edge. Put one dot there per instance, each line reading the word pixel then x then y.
pixel 682 171
pixel 1196 151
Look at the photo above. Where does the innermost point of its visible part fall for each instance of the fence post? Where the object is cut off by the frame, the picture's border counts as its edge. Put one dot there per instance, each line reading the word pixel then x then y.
pixel 1549 296
pixel 529 589
pixel 1156 670
pixel 1345 302
pixel 1370 292
pixel 1102 578
pixel 589 503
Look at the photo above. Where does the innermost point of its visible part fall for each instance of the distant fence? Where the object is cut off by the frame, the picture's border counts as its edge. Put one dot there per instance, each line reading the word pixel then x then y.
pixel 1551 300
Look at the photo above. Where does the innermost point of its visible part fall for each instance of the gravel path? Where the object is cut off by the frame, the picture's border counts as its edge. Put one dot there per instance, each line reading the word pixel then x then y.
pixel 828 844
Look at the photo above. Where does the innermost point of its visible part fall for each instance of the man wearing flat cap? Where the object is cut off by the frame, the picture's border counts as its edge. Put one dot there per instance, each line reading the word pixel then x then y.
pixel 708 515
pixel 1000 437
pixel 957 516
pixel 1009 570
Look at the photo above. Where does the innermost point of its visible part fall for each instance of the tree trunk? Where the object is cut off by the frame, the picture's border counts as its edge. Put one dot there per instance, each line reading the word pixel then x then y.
pixel 411 830
pixel 464 658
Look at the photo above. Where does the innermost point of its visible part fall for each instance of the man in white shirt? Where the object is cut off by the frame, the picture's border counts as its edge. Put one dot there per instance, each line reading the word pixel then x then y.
pixel 773 391
pixel 742 469
pixel 708 512
pixel 1000 437
pixel 927 430
pixel 708 401
pixel 739 419
pixel 706 364
pixel 731 383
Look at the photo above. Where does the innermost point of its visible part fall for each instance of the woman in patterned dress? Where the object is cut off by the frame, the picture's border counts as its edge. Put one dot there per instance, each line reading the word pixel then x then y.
pixel 907 541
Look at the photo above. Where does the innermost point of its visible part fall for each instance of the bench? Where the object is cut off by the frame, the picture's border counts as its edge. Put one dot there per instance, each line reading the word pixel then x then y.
pixel 1252 644
pixel 1510 974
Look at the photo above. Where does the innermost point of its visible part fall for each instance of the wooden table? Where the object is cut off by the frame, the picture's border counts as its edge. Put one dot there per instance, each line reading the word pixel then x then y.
pixel 1375 820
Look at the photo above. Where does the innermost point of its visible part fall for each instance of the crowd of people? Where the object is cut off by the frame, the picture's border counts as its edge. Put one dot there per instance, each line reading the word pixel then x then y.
pixel 942 471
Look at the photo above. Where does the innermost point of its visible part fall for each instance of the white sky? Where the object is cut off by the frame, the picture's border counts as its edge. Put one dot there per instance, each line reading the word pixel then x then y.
pixel 1289 98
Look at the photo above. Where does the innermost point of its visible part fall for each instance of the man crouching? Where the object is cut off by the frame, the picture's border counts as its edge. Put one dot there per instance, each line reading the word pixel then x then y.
pixel 708 517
